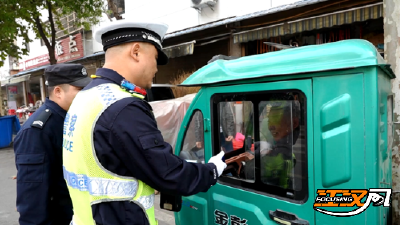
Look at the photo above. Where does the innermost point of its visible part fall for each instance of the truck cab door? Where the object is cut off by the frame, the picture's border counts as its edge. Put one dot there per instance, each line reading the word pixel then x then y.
pixel 265 130
pixel 190 147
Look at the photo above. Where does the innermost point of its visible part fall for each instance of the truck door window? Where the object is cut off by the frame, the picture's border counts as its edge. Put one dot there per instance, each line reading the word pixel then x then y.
pixel 236 132
pixel 193 142
pixel 279 128
pixel 263 135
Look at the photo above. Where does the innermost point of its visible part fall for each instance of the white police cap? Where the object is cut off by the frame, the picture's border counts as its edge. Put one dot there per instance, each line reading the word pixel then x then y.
pixel 123 31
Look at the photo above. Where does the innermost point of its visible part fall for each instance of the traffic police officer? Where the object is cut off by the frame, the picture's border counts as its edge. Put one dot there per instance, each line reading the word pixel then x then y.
pixel 116 156
pixel 42 194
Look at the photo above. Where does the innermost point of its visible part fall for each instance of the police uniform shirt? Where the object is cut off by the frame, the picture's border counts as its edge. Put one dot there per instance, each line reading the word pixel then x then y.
pixel 119 150
pixel 42 194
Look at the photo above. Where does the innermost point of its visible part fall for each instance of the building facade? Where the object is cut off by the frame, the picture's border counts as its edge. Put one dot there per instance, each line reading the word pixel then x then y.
pixel 201 29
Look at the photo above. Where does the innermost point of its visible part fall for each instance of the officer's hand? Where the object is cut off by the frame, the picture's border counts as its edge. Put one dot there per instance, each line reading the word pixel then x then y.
pixel 198 144
pixel 217 160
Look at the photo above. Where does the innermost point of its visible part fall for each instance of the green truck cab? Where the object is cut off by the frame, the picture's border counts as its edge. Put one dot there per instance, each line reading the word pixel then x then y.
pixel 295 125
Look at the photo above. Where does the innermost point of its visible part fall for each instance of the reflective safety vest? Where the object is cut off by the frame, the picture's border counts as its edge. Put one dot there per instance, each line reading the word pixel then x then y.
pixel 88 181
pixel 278 170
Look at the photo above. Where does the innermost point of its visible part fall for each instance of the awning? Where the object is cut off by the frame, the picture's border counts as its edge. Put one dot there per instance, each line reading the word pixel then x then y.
pixel 359 14
pixel 14 80
pixel 30 71
pixel 93 56
pixel 183 49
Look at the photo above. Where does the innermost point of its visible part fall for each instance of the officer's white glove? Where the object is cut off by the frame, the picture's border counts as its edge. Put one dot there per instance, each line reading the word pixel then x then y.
pixel 217 160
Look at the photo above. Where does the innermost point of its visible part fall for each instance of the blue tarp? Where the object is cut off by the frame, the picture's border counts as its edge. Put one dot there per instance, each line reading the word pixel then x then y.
pixel 9 125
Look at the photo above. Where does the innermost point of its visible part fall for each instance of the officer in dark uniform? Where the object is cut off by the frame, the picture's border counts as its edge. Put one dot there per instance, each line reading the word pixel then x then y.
pixel 42 194
pixel 126 139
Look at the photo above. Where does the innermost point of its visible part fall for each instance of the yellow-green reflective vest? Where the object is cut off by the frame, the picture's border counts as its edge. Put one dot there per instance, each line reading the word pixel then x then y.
pixel 88 181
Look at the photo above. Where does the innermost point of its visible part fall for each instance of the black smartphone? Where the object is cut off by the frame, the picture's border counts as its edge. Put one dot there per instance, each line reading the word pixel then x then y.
pixel 170 202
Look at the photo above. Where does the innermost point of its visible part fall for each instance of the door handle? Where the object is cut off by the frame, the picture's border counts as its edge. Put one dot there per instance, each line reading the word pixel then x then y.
pixel 282 217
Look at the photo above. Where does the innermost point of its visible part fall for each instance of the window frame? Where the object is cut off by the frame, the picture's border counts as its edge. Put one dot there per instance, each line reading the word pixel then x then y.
pixel 187 127
pixel 389 121
pixel 118 4
pixel 258 186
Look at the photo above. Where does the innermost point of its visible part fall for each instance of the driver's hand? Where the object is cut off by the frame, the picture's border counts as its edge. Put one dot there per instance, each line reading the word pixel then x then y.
pixel 248 156
pixel 198 144
pixel 229 138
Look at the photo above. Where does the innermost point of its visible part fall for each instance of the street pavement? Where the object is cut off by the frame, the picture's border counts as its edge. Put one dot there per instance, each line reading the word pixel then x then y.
pixel 8 213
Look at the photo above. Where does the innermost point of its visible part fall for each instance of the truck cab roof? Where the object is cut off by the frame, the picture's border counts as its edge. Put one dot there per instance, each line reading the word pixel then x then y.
pixel 340 55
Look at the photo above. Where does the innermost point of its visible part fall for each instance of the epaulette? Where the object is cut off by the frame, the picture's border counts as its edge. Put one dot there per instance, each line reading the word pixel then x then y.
pixel 41 120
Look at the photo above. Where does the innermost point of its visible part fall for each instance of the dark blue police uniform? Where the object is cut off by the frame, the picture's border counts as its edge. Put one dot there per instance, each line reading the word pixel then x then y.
pixel 116 141
pixel 42 194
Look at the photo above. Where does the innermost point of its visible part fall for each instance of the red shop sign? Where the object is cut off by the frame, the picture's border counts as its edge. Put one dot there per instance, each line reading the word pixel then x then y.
pixel 67 49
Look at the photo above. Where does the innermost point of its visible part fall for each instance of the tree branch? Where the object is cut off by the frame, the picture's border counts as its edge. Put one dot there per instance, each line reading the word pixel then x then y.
pixel 11 29
pixel 105 9
pixel 50 48
pixel 53 30
pixel 41 32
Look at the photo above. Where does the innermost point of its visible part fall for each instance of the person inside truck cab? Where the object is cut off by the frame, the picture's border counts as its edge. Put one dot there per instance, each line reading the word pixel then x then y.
pixel 277 159
pixel 279 130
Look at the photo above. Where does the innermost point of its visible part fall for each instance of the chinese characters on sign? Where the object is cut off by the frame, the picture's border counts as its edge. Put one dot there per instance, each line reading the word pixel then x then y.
pixel 59 48
pixel 67 49
pixel 72 44
pixel 222 218
pixel 35 62
pixel 13 90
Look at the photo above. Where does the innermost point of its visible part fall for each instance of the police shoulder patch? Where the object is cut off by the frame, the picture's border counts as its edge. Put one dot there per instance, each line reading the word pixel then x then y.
pixel 41 120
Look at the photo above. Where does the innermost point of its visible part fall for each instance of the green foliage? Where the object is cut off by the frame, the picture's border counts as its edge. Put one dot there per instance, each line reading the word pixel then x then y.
pixel 20 16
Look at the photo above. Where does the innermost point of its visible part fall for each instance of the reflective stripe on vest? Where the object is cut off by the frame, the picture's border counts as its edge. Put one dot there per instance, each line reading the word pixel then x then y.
pixel 146 201
pixel 101 186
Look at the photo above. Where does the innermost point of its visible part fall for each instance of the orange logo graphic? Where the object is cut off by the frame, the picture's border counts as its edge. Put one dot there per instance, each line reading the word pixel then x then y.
pixel 351 198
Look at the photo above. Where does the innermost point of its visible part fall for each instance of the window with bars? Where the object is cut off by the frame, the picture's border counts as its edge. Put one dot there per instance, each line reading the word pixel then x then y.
pixel 120 7
pixel 68 23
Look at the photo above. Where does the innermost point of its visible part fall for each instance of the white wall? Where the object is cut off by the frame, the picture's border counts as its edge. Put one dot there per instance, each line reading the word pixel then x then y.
pixel 276 3
pixel 230 8
pixel 176 13
pixel 98 47
pixel 179 15
pixel 35 48
pixel 5 69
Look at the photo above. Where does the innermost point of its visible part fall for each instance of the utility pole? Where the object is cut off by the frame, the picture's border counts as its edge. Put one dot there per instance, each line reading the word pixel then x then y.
pixel 392 56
